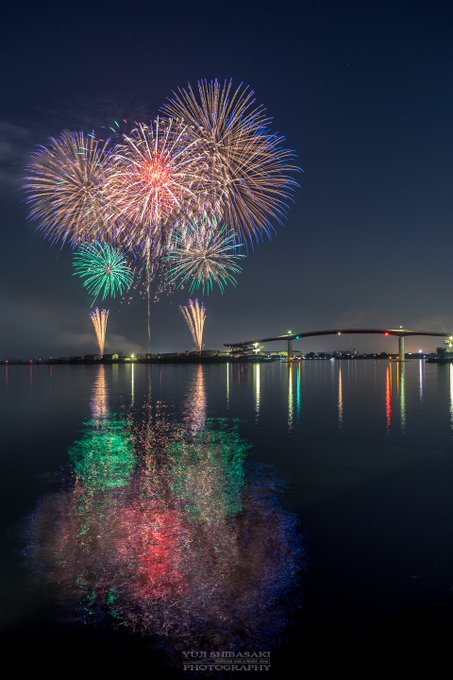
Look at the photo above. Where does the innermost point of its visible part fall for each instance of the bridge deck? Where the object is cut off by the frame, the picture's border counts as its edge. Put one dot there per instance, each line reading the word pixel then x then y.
pixel 399 332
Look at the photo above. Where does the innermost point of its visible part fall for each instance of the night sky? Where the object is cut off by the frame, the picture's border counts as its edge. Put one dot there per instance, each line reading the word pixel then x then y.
pixel 362 91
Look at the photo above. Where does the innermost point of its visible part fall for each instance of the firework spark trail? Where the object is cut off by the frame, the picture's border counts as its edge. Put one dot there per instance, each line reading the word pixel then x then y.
pixel 195 316
pixel 159 276
pixel 250 166
pixel 65 188
pixel 203 254
pixel 100 317
pixel 103 269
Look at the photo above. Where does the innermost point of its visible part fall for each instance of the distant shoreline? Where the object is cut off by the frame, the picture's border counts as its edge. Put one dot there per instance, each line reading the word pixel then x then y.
pixel 196 359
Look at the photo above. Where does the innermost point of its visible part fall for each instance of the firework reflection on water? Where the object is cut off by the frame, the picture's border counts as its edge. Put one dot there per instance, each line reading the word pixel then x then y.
pixel 167 529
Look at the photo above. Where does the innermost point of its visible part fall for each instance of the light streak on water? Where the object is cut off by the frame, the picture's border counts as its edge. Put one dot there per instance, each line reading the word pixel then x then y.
pixel 451 394
pixel 402 382
pixel 290 396
pixel 388 397
pixel 257 388
pixel 340 398
pixel 99 396
pixel 196 403
pixel 299 391
pixel 228 385
pixel 420 378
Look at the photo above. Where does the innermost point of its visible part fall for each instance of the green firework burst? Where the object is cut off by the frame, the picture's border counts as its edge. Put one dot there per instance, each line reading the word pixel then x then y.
pixel 204 254
pixel 104 271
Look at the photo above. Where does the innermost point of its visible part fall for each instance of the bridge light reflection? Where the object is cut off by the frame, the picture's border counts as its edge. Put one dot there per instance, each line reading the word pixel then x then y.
pixel 228 384
pixel 299 391
pixel 420 377
pixel 290 397
pixel 340 398
pixel 451 395
pixel 388 397
pixel 401 373
pixel 257 389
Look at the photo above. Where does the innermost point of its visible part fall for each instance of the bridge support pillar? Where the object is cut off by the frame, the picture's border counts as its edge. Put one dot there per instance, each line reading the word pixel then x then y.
pixel 290 349
pixel 402 348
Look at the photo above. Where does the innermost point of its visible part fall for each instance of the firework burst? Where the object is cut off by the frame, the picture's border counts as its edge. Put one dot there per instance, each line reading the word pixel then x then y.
pixel 204 253
pixel 195 316
pixel 103 270
pixel 157 175
pixel 250 167
pixel 65 188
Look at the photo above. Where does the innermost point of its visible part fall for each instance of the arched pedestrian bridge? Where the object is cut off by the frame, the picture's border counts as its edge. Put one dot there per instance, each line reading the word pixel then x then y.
pixel 401 333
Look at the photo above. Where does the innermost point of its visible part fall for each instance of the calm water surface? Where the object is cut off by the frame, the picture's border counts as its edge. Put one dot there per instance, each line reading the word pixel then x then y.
pixel 303 510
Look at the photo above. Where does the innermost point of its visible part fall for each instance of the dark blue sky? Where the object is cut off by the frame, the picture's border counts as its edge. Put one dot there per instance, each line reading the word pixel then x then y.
pixel 363 92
